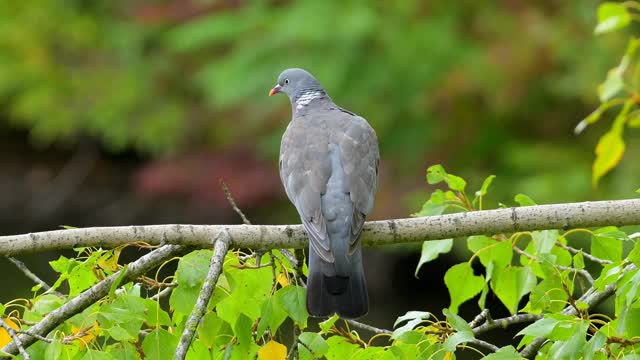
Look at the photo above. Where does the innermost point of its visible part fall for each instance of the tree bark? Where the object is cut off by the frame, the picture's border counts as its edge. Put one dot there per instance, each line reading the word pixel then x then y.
pixel 375 233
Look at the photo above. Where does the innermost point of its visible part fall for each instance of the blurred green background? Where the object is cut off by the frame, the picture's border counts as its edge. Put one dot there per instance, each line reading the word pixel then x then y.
pixel 123 112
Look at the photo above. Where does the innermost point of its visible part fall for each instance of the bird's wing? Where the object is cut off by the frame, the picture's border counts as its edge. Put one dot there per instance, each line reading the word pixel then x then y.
pixel 360 158
pixel 304 170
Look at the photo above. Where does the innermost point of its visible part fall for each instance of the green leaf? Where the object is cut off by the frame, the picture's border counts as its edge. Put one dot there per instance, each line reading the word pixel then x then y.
pixel 607 248
pixel 485 185
pixel 431 250
pixel 542 327
pixel 456 321
pixel 81 278
pixel 570 349
pixel 437 174
pixel 439 202
pixel 213 331
pixel 511 284
pixel 326 325
pixel 414 319
pixel 489 249
pixel 313 341
pixel 123 317
pixel 596 343
pixel 634 255
pixel 524 200
pixel 62 265
pixel 155 316
pixel 272 316
pixel 544 241
pixel 122 351
pixel 462 284
pixel 505 353
pixel 250 288
pixel 340 348
pixel 629 322
pixel 547 296
pixel 578 261
pixel 242 330
pixel 458 338
pixel 158 343
pixel 46 303
pixel 183 298
pixel 609 275
pixel 612 16
pixel 193 267
pixel 117 282
pixel 96 355
pixel 609 152
pixel 293 300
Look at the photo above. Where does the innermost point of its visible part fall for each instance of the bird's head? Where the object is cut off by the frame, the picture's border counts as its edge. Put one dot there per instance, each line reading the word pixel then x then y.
pixel 295 82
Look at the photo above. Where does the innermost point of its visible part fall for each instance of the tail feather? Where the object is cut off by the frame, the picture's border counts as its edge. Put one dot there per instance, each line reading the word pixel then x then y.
pixel 329 293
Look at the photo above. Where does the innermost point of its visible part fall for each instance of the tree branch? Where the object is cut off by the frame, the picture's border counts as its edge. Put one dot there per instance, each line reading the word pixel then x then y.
pixel 95 293
pixel 375 233
pixel 367 327
pixel 15 338
pixel 28 273
pixel 504 322
pixel 221 245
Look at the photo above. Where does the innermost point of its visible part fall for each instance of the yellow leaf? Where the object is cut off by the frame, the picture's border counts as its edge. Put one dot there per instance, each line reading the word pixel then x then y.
pixel 608 154
pixel 272 350
pixel 5 338
pixel 448 355
pixel 282 279
pixel 111 263
pixel 86 335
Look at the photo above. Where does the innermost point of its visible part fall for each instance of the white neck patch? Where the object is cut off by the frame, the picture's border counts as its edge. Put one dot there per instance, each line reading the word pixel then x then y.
pixel 307 97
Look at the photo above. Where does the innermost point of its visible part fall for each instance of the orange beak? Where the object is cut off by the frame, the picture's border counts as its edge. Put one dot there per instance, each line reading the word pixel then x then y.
pixel 276 89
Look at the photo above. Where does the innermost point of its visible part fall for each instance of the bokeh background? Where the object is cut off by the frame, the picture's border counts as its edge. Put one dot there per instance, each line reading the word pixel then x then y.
pixel 130 112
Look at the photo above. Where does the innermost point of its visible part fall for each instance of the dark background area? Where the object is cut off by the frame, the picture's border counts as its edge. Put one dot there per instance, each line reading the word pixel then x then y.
pixel 130 112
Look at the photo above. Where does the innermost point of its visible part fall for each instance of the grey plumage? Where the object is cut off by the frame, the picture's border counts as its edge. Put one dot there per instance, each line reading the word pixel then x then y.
pixel 329 166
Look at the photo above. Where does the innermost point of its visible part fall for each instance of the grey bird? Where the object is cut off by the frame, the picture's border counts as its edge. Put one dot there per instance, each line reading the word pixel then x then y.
pixel 329 168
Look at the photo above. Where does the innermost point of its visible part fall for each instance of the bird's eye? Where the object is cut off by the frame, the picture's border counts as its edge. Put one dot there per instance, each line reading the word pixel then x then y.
pixel 286 81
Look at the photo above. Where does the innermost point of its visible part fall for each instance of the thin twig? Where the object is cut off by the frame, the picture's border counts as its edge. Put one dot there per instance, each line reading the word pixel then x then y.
pixel 45 339
pixel 25 270
pixel 95 293
pixel 15 338
pixel 232 202
pixel 367 327
pixel 585 254
pixel 582 272
pixel 166 291
pixel 220 247
pixel 505 322
pixel 296 333
pixel 484 344
pixel 480 318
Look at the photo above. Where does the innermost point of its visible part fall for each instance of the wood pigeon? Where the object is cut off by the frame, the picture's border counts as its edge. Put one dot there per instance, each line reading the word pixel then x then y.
pixel 329 168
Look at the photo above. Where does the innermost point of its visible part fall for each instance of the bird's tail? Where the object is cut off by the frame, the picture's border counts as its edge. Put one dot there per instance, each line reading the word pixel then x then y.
pixel 329 293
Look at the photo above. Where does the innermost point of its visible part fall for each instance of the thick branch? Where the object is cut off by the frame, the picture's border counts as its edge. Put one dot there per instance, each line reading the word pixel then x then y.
pixel 221 245
pixel 376 233
pixel 95 293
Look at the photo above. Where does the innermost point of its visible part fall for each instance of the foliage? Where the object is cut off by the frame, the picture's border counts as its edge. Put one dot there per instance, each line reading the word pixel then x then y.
pixel 619 90
pixel 535 273
pixel 482 80
pixel 539 273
